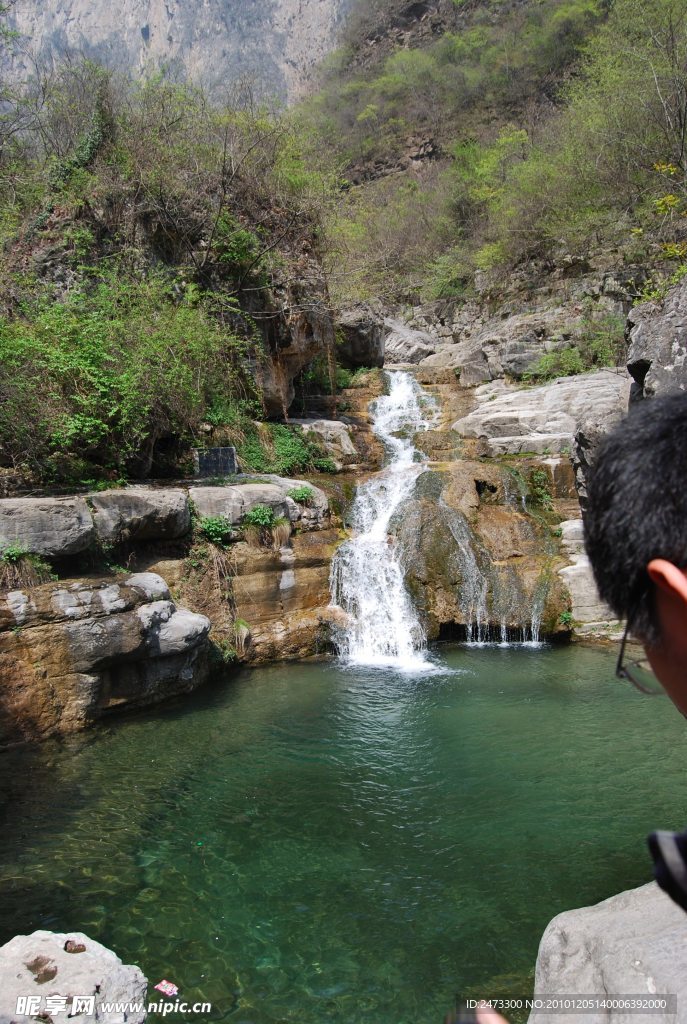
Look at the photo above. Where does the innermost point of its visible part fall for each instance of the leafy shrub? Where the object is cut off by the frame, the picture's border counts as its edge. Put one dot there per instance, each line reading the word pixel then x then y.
pixel 280 448
pixel 216 529
pixel 540 490
pixel 303 494
pixel 325 465
pixel 94 381
pixel 601 343
pixel 260 515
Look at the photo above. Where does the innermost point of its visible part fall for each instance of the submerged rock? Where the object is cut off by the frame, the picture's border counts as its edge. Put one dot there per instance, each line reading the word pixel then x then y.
pixel 71 972
pixel 632 944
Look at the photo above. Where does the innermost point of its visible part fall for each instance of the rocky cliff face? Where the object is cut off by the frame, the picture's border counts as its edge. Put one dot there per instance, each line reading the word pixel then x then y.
pixel 73 651
pixel 273 43
pixel 657 358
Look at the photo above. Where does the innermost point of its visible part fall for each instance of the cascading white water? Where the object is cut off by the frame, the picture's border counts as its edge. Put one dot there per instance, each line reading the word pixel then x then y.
pixel 382 626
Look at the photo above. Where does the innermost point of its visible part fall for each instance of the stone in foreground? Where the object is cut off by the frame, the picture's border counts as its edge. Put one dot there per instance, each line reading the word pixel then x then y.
pixel 631 944
pixel 51 965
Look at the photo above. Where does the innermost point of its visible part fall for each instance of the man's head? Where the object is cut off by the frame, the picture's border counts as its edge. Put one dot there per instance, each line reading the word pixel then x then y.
pixel 636 532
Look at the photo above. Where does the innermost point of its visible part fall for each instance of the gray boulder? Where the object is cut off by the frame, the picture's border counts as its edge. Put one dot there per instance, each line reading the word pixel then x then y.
pixel 54 967
pixel 334 437
pixel 54 527
pixel 657 356
pixel 360 337
pixel 544 419
pixel 140 513
pixel 234 502
pixel 631 944
pixel 405 345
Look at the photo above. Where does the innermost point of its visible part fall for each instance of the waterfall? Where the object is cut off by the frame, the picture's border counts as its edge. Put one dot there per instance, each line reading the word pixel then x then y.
pixel 367 578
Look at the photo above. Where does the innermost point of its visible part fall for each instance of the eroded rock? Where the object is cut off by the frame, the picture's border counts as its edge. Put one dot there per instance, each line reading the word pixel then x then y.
pixel 235 501
pixel 592 616
pixel 473 558
pixel 67 965
pixel 335 437
pixel 657 356
pixel 71 652
pixel 407 345
pixel 361 337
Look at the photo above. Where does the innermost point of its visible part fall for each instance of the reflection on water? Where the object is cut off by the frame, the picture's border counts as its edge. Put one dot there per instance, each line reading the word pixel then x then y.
pixel 317 843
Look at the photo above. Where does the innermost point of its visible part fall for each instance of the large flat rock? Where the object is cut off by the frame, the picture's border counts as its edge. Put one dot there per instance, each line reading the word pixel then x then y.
pixel 53 527
pixel 141 513
pixel 544 419
pixel 631 944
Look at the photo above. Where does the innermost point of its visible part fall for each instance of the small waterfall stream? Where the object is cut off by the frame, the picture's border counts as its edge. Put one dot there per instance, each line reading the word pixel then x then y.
pixel 382 626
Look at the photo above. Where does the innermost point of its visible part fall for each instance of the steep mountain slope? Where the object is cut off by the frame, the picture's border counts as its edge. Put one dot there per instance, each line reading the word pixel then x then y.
pixel 274 42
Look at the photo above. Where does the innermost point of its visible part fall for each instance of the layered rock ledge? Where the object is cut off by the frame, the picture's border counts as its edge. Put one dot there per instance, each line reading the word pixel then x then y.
pixel 71 652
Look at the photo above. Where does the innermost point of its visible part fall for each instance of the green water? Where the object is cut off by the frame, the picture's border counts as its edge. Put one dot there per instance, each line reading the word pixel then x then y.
pixel 310 844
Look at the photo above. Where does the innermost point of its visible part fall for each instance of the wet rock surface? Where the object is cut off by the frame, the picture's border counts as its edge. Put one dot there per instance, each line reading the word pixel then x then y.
pixel 474 558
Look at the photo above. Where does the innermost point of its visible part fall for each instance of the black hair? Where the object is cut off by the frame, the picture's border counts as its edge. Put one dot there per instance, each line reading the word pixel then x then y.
pixel 637 507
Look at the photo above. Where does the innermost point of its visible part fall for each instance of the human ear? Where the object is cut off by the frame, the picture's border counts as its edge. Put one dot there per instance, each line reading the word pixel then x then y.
pixel 668 578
